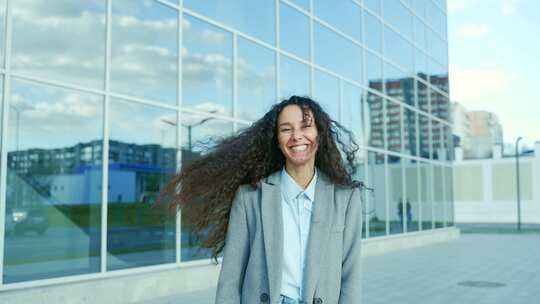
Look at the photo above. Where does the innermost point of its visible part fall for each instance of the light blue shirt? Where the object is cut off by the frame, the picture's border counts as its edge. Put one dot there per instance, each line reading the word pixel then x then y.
pixel 296 208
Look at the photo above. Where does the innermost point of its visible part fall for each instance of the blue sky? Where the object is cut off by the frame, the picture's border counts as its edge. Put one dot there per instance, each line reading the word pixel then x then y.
pixel 494 64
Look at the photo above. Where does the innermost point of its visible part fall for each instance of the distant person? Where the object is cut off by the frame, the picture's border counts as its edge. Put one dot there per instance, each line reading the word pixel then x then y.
pixel 282 206
pixel 408 210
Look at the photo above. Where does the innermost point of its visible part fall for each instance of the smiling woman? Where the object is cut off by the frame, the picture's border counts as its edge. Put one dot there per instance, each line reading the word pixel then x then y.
pixel 280 190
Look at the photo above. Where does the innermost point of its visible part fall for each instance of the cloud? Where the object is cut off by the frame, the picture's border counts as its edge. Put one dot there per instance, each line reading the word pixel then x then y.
pixel 509 7
pixel 455 6
pixel 473 30
pixel 474 84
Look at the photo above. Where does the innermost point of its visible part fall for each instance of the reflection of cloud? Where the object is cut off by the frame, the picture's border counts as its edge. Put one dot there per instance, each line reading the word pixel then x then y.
pixel 476 83
pixel 255 79
pixel 473 30
pixel 211 107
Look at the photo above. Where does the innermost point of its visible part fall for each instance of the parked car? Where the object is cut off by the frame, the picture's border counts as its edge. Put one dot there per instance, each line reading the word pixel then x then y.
pixel 10 224
pixel 30 219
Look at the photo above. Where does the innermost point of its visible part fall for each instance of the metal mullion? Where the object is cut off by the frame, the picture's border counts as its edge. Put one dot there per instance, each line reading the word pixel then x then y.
pixel 340 101
pixel 171 5
pixel 3 156
pixel 105 150
pixel 386 195
pixel 443 174
pixel 403 171
pixel 311 50
pixel 235 80
pixel 298 8
pixel 213 115
pixel 56 83
pixel 337 31
pixel 418 190
pixel 179 92
pixel 432 196
pixel 278 47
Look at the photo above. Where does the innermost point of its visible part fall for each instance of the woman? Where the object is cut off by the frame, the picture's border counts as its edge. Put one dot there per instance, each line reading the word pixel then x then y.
pixel 282 206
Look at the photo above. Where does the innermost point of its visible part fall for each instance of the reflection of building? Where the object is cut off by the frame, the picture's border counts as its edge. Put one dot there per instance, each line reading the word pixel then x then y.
pixel 432 132
pixel 462 125
pixel 150 71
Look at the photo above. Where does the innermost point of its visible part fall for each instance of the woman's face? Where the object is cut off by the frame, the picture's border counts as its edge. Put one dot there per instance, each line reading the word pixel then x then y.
pixel 297 138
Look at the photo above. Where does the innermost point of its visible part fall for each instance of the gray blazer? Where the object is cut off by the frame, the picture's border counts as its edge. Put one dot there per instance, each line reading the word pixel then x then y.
pixel 253 253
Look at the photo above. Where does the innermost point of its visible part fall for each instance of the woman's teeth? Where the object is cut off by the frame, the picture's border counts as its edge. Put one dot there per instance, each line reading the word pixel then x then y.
pixel 299 148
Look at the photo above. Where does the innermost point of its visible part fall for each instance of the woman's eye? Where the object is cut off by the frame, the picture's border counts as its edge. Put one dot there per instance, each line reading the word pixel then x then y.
pixel 285 130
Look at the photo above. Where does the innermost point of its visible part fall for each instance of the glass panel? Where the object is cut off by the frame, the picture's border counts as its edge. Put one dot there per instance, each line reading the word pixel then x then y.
pixel 424 136
pixel 377 198
pixel 294 31
pixel 326 93
pixel 398 84
pixel 398 16
pixel 449 142
pixel 301 3
pixel 351 111
pixel 140 165
pixel 199 134
pixel 361 176
pixel 256 70
pixel 420 64
pixel 294 77
pixel 412 200
pixel 375 124
pixel 144 50
pixel 344 15
pixel 440 105
pixel 449 183
pixel 437 48
pixel 426 196
pixel 438 201
pixel 2 30
pixel 374 71
pixel 422 96
pixel 419 7
pixel 43 41
pixel 337 54
pixel 398 212
pixel 438 75
pixel 398 50
pixel 53 198
pixel 373 39
pixel 373 5
pixel 207 67
pixel 419 33
pixel 393 126
pixel 410 131
pixel 436 18
pixel 255 18
pixel 436 142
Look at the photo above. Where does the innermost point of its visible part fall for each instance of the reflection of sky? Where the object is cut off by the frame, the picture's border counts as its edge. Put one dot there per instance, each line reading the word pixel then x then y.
pixel 141 124
pixel 255 18
pixel 207 65
pixel 326 93
pixel 51 117
pixel 256 79
pixel 294 31
pixel 144 50
pixel 294 77
pixel 346 16
pixel 44 35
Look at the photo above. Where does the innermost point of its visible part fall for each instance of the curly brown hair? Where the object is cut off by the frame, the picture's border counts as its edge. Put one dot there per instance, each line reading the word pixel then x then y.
pixel 205 188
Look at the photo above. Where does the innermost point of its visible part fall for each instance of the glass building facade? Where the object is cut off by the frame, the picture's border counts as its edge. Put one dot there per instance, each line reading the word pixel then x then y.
pixel 103 101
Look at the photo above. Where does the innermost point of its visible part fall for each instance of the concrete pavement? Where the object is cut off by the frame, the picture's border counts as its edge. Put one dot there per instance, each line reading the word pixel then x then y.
pixel 476 268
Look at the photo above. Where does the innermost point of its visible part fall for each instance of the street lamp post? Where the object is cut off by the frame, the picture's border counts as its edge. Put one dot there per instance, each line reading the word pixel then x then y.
pixel 517 182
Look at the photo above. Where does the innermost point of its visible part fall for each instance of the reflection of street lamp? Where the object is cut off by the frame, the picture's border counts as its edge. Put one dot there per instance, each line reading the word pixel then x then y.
pixel 190 126
pixel 517 179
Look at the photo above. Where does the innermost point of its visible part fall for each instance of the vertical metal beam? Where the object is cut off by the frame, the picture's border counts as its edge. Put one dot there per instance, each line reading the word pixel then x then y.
pixel 278 47
pixel 5 114
pixel 105 150
pixel 179 92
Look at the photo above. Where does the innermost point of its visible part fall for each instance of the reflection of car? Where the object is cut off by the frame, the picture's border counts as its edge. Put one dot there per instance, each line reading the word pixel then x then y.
pixel 30 219
pixel 10 224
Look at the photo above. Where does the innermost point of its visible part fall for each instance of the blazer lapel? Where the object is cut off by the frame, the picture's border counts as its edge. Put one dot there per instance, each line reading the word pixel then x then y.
pixel 318 235
pixel 272 224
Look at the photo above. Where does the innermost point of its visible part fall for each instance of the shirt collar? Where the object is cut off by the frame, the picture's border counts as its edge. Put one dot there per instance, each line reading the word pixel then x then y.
pixel 291 189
